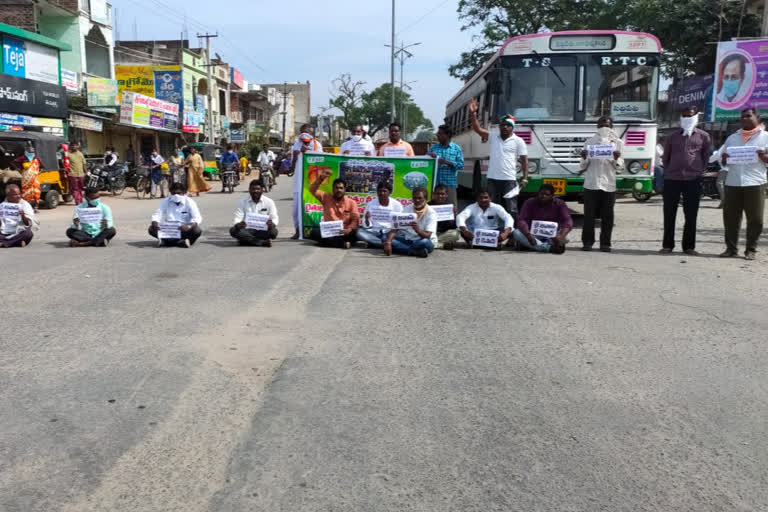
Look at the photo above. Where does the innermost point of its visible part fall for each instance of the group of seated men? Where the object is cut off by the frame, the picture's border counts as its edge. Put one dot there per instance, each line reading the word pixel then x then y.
pixel 176 222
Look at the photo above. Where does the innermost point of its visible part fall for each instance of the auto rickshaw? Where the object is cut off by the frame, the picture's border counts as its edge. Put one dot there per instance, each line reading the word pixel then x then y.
pixel 51 150
pixel 332 149
pixel 210 154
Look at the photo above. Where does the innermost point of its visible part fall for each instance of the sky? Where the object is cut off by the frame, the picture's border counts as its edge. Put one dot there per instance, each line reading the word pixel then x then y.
pixel 274 41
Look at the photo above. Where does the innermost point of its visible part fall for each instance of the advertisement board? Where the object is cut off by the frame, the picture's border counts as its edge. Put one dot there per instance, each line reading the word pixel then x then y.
pixel 69 80
pixel 739 70
pixel 86 123
pixel 692 91
pixel 32 97
pixel 169 87
pixel 237 77
pixel 139 79
pixel 145 112
pixel 101 92
pixel 362 175
pixel 27 59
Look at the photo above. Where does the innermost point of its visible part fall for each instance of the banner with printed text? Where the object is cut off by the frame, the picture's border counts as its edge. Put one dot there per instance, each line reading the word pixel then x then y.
pixel 362 175
pixel 741 78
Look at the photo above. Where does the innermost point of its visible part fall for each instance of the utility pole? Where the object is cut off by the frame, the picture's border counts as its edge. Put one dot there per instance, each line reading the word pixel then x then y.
pixel 402 54
pixel 285 108
pixel 209 109
pixel 392 62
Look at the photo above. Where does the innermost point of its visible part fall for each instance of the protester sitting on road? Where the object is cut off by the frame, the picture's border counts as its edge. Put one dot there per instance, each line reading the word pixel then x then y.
pixel 447 234
pixel 16 219
pixel 545 207
pixel 483 214
pixel 180 211
pixel 248 210
pixel 376 219
pixel 420 237
pixel 336 206
pixel 600 184
pixel 396 146
pixel 357 145
pixel 86 234
pixel 745 185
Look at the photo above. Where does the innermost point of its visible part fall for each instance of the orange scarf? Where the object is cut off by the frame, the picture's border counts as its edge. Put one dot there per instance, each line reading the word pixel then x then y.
pixel 748 134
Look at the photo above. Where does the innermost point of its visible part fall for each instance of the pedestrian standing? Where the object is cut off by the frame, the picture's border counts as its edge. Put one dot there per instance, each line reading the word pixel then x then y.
pixel 130 156
pixel 450 160
pixel 686 154
pixel 745 184
pixel 599 171
pixel 195 181
pixel 76 172
pixel 158 178
pixel 507 149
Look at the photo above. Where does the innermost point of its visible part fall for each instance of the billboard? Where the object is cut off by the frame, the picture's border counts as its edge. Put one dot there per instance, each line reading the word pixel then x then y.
pixel 145 112
pixel 169 87
pixel 237 77
pixel 140 79
pixel 101 92
pixel 69 80
pixel 26 59
pixel 692 91
pixel 32 97
pixel 741 69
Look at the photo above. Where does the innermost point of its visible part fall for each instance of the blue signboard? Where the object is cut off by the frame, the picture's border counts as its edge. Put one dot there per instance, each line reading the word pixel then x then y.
pixel 169 87
pixel 14 59
pixel 237 136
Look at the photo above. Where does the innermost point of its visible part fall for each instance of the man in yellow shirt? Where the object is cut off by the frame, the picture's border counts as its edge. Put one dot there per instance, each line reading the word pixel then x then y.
pixel 76 172
pixel 395 146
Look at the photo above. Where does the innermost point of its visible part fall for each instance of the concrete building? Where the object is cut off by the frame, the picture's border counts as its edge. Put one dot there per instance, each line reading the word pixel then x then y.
pixel 302 96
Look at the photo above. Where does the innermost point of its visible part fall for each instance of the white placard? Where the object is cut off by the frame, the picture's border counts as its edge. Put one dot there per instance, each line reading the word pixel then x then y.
pixel 89 215
pixel 394 152
pixel 380 216
pixel 256 221
pixel 443 211
pixel 169 231
pixel 485 238
pixel 544 229
pixel 10 211
pixel 359 149
pixel 331 228
pixel 600 152
pixel 403 220
pixel 742 154
pixel 513 193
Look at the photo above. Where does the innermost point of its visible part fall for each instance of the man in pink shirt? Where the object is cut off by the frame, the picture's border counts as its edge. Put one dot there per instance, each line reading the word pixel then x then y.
pixel 395 146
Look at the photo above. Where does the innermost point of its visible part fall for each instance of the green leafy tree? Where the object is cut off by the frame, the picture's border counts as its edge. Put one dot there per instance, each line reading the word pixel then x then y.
pixel 376 107
pixel 425 136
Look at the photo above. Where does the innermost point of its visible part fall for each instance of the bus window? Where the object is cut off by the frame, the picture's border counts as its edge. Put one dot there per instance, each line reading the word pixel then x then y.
pixel 539 88
pixel 624 87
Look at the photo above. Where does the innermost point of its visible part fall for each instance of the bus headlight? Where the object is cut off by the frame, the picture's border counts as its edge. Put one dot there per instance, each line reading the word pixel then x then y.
pixel 634 167
pixel 638 186
pixel 533 166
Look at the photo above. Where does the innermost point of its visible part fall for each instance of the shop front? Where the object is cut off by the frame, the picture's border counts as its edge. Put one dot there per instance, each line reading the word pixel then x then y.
pixel 32 105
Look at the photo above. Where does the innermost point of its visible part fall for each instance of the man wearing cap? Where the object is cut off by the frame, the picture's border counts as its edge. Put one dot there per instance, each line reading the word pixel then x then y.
pixel 306 142
pixel 506 150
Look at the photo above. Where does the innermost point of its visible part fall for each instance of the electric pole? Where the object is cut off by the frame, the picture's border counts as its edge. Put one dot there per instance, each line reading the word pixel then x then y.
pixel 392 62
pixel 285 108
pixel 209 107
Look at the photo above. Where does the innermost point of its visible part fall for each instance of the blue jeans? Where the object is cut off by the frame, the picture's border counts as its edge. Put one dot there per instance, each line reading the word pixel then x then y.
pixel 374 237
pixel 402 246
pixel 542 244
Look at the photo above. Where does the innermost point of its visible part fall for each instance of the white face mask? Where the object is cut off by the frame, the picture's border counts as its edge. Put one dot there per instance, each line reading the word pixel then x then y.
pixel 357 138
pixel 176 198
pixel 605 132
pixel 689 123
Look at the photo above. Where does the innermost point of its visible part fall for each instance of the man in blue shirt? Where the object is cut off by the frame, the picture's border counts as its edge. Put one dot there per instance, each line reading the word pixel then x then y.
pixel 450 161
pixel 91 234
pixel 230 157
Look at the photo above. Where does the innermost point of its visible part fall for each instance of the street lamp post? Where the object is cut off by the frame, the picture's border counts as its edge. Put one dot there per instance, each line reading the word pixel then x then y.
pixel 402 54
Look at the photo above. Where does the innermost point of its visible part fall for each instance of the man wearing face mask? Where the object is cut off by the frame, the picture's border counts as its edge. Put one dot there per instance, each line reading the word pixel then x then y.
pixel 306 142
pixel 600 185
pixel 686 154
pixel 82 234
pixel 357 145
pixel 178 208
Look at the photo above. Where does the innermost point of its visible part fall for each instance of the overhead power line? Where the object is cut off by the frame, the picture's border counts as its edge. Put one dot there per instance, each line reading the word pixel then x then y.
pixel 422 18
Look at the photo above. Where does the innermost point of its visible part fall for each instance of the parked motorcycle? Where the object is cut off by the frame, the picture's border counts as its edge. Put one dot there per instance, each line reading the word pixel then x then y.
pixel 108 178
pixel 709 182
pixel 228 178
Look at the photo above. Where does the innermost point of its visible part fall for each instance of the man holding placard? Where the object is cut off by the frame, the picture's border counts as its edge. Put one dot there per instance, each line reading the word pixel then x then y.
pixel 396 147
pixel 92 223
pixel 177 221
pixel 16 219
pixel 357 145
pixel 340 216
pixel 485 224
pixel 685 156
pixel 305 143
pixel 744 154
pixel 255 222
pixel 600 161
pixel 447 234
pixel 544 222
pixel 418 238
pixel 377 219
pixel 450 160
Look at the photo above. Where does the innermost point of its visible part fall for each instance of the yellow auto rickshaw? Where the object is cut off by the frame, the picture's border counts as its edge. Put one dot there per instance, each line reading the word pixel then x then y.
pixel 51 150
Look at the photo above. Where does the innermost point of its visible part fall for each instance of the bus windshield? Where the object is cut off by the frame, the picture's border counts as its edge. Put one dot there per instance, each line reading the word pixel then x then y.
pixel 623 87
pixel 539 88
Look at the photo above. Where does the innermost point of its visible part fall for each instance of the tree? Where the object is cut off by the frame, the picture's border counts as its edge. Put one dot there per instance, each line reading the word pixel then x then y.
pixel 376 109
pixel 425 136
pixel 346 95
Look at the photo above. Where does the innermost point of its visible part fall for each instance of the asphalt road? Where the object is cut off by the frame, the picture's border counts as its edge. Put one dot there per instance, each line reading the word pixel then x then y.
pixel 222 378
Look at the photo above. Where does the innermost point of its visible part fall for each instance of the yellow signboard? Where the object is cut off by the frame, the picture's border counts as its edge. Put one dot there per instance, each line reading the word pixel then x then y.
pixel 139 79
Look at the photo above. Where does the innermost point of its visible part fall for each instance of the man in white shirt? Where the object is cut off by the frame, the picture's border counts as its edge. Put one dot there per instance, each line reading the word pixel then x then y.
pixel 261 213
pixel 16 219
pixel 158 179
pixel 266 157
pixel 420 237
pixel 357 145
pixel 600 184
pixel 180 211
pixel 484 214
pixel 377 222
pixel 745 184
pixel 306 142
pixel 507 149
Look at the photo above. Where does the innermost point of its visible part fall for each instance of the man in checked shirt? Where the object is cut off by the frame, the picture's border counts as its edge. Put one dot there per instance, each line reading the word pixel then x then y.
pixel 450 160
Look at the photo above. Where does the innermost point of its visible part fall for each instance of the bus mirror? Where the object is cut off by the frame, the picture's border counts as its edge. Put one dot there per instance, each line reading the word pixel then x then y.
pixel 495 81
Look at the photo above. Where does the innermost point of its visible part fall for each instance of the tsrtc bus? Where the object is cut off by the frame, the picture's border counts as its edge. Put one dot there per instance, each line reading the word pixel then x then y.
pixel 557 85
